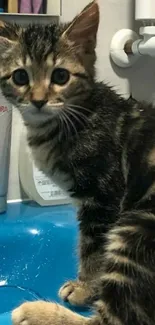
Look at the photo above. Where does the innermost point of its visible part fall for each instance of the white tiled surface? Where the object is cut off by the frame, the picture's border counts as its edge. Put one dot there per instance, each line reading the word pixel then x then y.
pixel 115 15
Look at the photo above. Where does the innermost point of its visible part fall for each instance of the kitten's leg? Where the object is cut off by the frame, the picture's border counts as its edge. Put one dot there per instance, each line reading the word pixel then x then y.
pixel 127 281
pixel 83 291
pixel 45 313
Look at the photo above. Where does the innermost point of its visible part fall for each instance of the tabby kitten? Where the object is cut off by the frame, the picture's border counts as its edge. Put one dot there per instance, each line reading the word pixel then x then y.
pixel 101 149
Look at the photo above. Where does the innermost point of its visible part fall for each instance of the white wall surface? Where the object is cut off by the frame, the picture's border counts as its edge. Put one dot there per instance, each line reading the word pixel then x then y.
pixel 139 80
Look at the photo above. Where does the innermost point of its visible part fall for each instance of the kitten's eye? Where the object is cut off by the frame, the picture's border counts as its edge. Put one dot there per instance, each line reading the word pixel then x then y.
pixel 20 77
pixel 60 76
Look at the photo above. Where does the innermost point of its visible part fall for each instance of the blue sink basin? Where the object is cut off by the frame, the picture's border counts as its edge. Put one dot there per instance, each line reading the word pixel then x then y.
pixel 37 254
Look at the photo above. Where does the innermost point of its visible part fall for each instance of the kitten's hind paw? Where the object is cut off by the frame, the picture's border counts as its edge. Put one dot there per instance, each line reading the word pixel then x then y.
pixel 77 293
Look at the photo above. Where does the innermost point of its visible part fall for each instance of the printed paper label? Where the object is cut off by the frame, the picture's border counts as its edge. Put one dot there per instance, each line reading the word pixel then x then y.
pixel 46 188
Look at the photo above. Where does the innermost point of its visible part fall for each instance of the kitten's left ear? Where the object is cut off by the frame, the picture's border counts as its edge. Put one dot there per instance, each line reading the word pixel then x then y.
pixel 84 27
pixel 5 45
pixel 7 39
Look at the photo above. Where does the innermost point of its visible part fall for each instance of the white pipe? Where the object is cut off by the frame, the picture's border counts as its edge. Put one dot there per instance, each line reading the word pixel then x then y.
pixel 145 9
pixel 123 57
pixel 139 46
pixel 145 46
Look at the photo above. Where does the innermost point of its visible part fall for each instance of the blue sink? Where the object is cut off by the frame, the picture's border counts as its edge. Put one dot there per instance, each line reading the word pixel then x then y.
pixel 37 254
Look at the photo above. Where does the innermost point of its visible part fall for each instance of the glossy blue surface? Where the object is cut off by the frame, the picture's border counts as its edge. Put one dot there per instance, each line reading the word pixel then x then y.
pixel 37 254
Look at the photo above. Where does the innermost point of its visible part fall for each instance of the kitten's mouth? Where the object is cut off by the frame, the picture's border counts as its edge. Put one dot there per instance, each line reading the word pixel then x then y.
pixel 54 108
pixel 47 109
pixel 32 114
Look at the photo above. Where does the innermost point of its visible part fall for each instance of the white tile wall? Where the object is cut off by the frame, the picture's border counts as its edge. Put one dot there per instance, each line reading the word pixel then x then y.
pixel 140 79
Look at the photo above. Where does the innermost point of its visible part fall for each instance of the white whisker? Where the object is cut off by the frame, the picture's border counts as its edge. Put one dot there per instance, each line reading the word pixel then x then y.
pixel 67 125
pixel 81 115
pixel 83 122
pixel 60 123
pixel 81 107
pixel 71 123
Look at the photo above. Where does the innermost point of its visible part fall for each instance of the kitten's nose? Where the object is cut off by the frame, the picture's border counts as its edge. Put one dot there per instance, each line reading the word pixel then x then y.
pixel 39 103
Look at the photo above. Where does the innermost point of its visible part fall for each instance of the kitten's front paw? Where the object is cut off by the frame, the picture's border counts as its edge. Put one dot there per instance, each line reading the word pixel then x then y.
pixel 33 313
pixel 77 293
pixel 45 313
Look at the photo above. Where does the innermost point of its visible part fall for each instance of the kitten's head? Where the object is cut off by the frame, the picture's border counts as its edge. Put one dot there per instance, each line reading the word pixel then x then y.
pixel 46 69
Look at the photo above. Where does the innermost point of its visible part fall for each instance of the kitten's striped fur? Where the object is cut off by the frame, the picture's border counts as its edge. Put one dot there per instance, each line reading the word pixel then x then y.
pixel 101 149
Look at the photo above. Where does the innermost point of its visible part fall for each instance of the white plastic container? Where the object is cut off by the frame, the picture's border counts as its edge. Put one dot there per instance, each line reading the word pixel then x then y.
pixel 36 185
pixel 5 144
